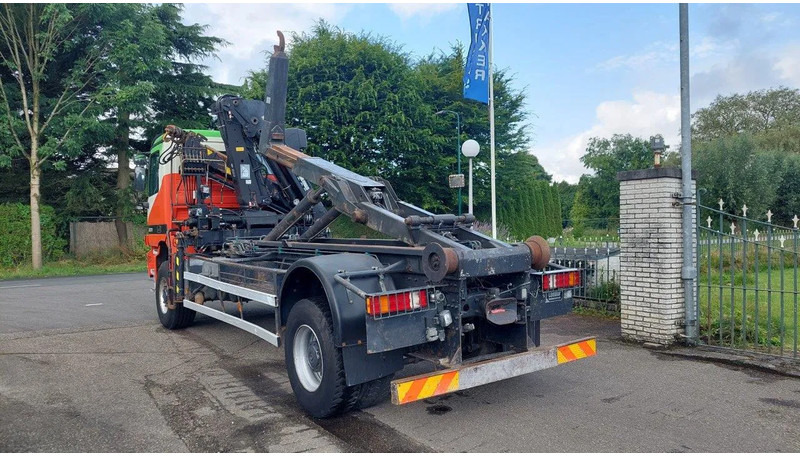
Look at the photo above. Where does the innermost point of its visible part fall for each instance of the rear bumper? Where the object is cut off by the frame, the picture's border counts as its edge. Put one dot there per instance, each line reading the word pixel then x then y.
pixel 436 383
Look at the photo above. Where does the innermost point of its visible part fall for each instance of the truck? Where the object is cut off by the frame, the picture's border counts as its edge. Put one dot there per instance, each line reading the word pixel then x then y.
pixel 238 229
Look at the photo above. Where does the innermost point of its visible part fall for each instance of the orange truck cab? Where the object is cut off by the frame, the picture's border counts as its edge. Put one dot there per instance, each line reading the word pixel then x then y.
pixel 168 199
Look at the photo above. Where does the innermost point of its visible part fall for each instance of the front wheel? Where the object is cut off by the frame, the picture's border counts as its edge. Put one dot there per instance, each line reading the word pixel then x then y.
pixel 313 362
pixel 178 317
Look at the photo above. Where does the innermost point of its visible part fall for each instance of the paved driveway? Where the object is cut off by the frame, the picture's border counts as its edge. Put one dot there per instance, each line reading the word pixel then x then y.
pixel 85 366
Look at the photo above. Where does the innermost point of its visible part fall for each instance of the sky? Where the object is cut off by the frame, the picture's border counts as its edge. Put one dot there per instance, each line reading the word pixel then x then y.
pixel 587 70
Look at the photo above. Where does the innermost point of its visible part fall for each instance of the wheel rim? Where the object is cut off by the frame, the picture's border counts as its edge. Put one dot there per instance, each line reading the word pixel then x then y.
pixel 307 356
pixel 163 298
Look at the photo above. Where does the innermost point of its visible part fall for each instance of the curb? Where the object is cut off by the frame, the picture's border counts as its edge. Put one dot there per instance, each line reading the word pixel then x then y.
pixel 788 367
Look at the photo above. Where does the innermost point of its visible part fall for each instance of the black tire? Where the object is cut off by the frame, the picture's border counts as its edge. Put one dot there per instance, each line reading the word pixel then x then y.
pixel 177 318
pixel 311 317
pixel 374 392
pixel 368 394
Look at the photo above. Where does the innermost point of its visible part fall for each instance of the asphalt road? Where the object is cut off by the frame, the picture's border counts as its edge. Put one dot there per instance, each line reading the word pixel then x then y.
pixel 85 366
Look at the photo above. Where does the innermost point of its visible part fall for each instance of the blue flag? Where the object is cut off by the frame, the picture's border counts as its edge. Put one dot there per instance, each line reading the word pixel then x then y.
pixel 476 73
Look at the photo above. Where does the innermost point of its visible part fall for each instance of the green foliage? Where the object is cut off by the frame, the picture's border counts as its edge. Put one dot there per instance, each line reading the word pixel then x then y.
pixel 56 67
pixel 15 240
pixel 566 194
pixel 728 330
pixel 596 200
pixel 773 112
pixel 747 151
pixel 345 228
pixel 608 291
pixel 367 106
pixel 103 73
pixel 787 200
pixel 533 208
pixel 731 168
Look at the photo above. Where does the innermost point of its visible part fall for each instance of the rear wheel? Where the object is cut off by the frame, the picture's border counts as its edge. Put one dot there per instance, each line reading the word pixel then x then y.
pixel 177 317
pixel 313 362
pixel 315 366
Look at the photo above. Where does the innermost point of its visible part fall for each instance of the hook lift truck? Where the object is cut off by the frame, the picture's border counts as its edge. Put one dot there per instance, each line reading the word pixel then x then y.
pixel 237 216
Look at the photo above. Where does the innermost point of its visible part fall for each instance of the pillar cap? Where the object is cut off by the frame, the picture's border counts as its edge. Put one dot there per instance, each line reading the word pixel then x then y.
pixel 652 173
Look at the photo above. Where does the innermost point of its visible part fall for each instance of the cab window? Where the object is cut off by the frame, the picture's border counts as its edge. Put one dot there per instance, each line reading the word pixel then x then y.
pixel 152 174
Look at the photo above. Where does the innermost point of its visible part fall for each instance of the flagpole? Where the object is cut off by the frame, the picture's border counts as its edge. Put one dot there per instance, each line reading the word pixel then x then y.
pixel 491 123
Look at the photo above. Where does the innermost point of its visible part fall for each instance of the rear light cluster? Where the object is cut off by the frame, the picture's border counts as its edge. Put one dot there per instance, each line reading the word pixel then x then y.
pixel 397 303
pixel 561 280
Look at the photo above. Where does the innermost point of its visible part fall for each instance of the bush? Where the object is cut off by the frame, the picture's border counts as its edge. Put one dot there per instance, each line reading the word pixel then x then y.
pixel 718 331
pixel 15 234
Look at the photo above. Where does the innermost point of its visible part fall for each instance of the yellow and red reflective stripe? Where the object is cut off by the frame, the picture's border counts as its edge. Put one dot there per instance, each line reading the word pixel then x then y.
pixel 578 350
pixel 422 388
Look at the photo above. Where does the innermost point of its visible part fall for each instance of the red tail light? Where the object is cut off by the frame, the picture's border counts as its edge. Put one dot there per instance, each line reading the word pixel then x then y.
pixel 395 303
pixel 561 280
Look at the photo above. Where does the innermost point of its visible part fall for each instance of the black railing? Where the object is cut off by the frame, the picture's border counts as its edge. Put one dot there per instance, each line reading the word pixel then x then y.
pixel 747 285
pixel 598 261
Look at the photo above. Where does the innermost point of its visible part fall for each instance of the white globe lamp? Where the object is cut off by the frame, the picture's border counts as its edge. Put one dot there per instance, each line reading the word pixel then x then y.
pixel 470 149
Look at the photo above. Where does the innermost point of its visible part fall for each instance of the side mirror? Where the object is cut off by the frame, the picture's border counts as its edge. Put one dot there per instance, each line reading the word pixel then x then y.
pixel 139 178
pixel 139 173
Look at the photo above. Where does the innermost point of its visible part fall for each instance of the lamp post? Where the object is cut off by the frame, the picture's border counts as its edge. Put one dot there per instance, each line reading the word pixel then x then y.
pixel 470 149
pixel 458 139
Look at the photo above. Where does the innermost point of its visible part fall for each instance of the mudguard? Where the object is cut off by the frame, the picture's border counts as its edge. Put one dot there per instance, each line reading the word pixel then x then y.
pixel 348 310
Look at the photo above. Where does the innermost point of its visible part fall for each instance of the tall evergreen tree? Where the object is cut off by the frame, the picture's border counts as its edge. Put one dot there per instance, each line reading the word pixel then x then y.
pixel 150 76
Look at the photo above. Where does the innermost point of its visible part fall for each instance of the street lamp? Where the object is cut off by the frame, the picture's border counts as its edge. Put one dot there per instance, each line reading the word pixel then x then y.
pixel 458 139
pixel 470 149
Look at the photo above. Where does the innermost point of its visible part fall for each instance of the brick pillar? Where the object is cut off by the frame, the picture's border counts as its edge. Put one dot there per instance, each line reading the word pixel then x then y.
pixel 651 249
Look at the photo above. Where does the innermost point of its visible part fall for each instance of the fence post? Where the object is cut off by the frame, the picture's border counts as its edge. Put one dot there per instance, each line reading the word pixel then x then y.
pixel 652 304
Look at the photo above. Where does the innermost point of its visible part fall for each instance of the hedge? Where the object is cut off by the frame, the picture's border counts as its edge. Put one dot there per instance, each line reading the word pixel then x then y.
pixel 533 209
pixel 15 234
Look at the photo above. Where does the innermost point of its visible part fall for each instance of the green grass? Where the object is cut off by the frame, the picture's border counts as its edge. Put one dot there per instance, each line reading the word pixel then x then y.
pixel 765 330
pixel 107 263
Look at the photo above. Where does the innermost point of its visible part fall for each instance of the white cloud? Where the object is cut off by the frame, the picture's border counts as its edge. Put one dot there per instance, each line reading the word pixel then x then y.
pixel 746 72
pixel 775 20
pixel 422 11
pixel 660 53
pixel 250 30
pixel 647 114
pixel 655 53
pixel 788 65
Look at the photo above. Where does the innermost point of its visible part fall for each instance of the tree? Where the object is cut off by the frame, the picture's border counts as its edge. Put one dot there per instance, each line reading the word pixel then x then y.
pixel 184 93
pixel 442 85
pixel 597 198
pixel 757 112
pixel 787 200
pixel 566 194
pixel 44 104
pixel 746 149
pixel 368 106
pixel 151 78
pixel 732 169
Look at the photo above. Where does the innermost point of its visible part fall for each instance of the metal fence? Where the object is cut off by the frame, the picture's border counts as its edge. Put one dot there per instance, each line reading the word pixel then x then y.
pixel 598 260
pixel 747 283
